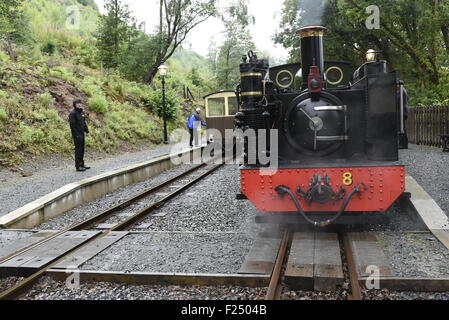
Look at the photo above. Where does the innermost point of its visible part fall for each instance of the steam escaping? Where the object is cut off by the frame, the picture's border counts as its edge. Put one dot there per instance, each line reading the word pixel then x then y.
pixel 311 12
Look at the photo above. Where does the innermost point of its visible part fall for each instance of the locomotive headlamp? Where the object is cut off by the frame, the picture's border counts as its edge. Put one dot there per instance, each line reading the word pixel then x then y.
pixel 371 55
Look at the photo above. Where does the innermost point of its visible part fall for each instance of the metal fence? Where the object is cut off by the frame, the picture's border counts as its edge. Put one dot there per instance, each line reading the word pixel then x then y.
pixel 425 125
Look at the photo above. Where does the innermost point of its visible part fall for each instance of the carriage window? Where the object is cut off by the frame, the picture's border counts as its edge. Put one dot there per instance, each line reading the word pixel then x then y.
pixel 233 106
pixel 216 107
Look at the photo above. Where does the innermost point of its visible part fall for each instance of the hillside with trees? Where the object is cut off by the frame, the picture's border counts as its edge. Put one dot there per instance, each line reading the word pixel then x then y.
pixel 55 51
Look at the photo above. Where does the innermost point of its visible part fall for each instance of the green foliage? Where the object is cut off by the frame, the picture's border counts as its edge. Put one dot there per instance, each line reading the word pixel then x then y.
pixel 46 100
pixel 136 54
pixel 156 105
pixel 88 3
pixel 49 47
pixel 132 124
pixel 227 58
pixel 98 103
pixel 63 73
pixel 32 135
pixel 13 21
pixel 413 38
pixel 114 32
pixel 177 19
pixel 3 57
pixel 90 86
pixel 3 115
pixel 119 110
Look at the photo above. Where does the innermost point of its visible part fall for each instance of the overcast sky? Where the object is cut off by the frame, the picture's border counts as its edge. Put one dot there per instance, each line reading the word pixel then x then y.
pixel 266 12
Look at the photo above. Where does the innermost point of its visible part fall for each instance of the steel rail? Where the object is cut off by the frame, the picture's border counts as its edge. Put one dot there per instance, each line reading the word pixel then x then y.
pixel 274 288
pixel 21 288
pixel 101 216
pixel 104 215
pixel 124 225
pixel 356 292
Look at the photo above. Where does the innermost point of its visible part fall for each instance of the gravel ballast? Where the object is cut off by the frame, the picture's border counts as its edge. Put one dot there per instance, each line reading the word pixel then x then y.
pixel 49 289
pixel 415 255
pixel 394 295
pixel 429 167
pixel 209 206
pixel 9 282
pixel 174 253
pixel 92 208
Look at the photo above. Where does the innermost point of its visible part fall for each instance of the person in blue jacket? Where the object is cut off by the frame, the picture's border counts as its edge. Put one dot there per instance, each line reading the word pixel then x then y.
pixel 192 124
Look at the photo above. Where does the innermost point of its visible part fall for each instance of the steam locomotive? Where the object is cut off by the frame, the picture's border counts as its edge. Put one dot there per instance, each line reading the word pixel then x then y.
pixel 337 145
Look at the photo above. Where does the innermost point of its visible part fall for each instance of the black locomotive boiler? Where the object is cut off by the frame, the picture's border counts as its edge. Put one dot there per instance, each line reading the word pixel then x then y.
pixel 337 144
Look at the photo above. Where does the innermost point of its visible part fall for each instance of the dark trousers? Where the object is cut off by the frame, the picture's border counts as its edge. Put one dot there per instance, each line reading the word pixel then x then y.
pixel 79 151
pixel 193 136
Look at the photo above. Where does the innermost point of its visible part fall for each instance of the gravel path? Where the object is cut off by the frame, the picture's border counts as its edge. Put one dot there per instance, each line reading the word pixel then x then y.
pixel 430 168
pixel 174 253
pixel 54 172
pixel 209 206
pixel 415 255
pixel 48 289
pixel 92 208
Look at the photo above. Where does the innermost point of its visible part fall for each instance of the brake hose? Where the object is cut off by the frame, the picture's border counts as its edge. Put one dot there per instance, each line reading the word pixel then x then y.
pixel 282 190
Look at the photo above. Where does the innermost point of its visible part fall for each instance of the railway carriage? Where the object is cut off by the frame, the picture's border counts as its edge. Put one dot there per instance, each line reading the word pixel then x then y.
pixel 221 108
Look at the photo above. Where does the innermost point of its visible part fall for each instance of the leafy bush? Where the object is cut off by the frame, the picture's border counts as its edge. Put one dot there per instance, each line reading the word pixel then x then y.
pixel 3 115
pixel 156 106
pixel 3 57
pixel 32 135
pixel 90 86
pixel 49 47
pixel 46 100
pixel 62 73
pixel 98 103
pixel 52 115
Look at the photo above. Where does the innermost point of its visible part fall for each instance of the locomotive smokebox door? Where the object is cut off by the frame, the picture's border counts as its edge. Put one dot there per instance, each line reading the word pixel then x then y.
pixel 316 127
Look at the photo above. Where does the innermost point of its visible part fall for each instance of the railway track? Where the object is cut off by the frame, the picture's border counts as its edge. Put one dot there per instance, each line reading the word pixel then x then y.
pixel 20 288
pixel 274 279
pixel 274 291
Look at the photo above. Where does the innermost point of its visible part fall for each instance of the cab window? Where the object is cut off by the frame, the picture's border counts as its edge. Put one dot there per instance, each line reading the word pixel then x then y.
pixel 233 106
pixel 216 107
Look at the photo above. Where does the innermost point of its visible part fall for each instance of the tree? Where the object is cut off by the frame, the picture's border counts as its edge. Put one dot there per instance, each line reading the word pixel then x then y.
pixel 177 19
pixel 238 42
pixel 136 53
pixel 195 77
pixel 13 25
pixel 413 37
pixel 114 32
pixel 212 55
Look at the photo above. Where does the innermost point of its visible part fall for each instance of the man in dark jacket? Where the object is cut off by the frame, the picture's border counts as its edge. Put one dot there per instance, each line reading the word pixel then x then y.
pixel 79 128
pixel 192 124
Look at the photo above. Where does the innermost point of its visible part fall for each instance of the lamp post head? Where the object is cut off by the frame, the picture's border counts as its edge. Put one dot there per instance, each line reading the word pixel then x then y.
pixel 163 70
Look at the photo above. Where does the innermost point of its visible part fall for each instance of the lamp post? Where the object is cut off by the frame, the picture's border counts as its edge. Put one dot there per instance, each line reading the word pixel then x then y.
pixel 163 73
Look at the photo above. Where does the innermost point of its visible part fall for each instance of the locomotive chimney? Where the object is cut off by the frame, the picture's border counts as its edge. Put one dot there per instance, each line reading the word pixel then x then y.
pixel 311 50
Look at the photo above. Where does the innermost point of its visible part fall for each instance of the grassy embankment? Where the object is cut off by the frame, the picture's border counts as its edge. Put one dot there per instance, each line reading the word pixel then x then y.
pixel 58 66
